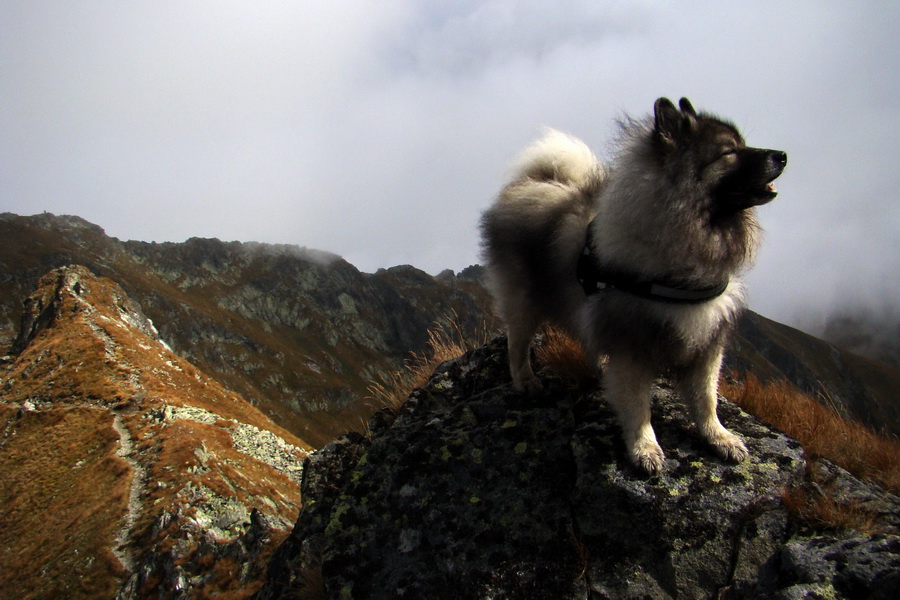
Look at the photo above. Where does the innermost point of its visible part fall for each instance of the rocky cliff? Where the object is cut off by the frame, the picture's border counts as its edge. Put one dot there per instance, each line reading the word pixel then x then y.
pixel 473 491
pixel 127 471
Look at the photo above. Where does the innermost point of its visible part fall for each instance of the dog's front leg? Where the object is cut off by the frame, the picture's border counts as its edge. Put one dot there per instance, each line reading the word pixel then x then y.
pixel 699 388
pixel 627 384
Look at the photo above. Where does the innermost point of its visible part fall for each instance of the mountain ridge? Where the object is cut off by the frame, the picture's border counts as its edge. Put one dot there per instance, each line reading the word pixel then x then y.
pixel 168 483
pixel 300 338
pixel 302 334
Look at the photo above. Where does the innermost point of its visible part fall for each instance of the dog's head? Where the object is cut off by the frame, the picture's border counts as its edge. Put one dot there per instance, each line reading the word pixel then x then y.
pixel 712 152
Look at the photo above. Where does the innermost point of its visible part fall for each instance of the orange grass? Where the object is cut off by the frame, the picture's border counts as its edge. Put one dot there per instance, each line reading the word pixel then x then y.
pixel 63 496
pixel 566 357
pixel 445 342
pixel 821 509
pixel 64 492
pixel 821 429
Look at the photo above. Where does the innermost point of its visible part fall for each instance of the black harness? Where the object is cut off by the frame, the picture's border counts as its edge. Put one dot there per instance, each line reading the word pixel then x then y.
pixel 595 279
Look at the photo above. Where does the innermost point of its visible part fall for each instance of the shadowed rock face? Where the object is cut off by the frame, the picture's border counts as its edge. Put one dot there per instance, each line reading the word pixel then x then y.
pixel 473 491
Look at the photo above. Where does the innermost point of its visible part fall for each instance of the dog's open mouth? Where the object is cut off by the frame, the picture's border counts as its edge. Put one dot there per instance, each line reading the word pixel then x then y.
pixel 776 161
pixel 768 193
pixel 763 192
pixel 735 199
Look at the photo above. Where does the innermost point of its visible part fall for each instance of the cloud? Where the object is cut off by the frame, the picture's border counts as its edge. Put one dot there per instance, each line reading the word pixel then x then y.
pixel 381 130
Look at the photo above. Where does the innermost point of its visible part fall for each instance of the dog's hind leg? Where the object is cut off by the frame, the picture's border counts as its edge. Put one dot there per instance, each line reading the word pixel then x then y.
pixel 627 384
pixel 699 388
pixel 519 333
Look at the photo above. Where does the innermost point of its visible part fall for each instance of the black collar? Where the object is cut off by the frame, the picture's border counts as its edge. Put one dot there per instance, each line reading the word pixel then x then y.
pixel 595 279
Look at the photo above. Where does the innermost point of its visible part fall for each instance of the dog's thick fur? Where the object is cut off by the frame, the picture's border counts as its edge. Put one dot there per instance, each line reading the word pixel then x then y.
pixel 675 208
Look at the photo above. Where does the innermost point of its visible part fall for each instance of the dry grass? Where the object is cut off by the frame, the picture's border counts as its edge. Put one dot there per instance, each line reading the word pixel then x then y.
pixel 821 429
pixel 822 509
pixel 63 496
pixel 445 342
pixel 68 493
pixel 566 357
pixel 309 583
pixel 824 433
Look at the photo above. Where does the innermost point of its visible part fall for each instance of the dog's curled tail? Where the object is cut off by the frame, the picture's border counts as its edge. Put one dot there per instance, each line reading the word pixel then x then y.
pixel 561 158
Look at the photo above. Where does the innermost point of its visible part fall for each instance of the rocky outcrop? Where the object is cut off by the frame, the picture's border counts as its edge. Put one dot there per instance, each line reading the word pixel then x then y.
pixel 474 491
pixel 127 472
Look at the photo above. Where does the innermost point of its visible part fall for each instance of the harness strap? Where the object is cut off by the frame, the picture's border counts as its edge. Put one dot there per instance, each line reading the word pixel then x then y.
pixel 595 280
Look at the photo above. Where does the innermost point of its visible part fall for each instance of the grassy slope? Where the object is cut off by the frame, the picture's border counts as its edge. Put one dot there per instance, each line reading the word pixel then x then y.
pixel 64 493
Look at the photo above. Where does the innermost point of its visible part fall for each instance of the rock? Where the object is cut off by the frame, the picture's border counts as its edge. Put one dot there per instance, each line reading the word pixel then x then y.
pixel 474 491
pixel 693 529
pixel 296 566
pixel 866 496
pixel 846 566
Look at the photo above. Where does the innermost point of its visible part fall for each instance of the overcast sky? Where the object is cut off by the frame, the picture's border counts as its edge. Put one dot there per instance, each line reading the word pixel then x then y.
pixel 379 130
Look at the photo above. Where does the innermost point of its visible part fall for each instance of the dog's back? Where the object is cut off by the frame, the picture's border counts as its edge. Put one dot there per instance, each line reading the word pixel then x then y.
pixel 534 232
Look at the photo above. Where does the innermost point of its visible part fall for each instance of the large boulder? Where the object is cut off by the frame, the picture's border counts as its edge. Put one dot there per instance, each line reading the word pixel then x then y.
pixel 475 491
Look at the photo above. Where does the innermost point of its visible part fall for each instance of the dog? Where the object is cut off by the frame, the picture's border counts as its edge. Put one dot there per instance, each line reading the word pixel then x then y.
pixel 638 260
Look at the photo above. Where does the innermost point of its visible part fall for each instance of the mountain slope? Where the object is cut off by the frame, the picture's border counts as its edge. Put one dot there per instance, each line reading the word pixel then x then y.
pixel 127 471
pixel 857 387
pixel 298 333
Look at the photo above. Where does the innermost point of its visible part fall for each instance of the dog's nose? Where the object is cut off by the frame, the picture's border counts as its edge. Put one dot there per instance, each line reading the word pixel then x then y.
pixel 778 158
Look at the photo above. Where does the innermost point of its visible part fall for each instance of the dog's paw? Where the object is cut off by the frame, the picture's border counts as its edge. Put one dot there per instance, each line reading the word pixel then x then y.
pixel 530 386
pixel 729 446
pixel 648 457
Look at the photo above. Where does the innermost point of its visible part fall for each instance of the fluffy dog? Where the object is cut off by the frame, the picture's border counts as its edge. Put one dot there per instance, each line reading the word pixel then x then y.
pixel 637 260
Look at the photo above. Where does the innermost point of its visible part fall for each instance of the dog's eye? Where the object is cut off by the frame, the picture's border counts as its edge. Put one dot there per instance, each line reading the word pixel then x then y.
pixel 724 153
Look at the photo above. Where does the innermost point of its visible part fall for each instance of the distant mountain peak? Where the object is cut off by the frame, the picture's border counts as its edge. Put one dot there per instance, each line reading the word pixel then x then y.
pixel 57 222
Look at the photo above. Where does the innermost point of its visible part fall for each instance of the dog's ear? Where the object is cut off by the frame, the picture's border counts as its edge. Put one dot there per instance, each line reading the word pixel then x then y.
pixel 685 105
pixel 672 124
pixel 690 115
pixel 668 123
